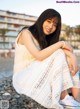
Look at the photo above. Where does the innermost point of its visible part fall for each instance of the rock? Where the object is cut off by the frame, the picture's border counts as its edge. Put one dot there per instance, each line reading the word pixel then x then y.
pixel 16 101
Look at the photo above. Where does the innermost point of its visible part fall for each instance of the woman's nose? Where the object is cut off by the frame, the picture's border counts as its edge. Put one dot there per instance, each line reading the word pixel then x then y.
pixel 51 25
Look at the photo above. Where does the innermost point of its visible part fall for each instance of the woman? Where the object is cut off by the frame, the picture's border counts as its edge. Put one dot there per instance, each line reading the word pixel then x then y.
pixel 43 64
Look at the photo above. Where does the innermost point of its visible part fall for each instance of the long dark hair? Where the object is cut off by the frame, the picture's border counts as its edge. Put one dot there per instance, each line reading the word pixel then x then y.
pixel 37 30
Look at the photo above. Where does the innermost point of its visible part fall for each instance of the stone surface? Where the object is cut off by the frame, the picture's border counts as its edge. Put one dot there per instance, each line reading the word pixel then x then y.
pixel 16 101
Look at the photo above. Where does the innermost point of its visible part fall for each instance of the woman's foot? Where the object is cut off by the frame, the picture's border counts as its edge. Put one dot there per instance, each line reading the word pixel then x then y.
pixel 69 101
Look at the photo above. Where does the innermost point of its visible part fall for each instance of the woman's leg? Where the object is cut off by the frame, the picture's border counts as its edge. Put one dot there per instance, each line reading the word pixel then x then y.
pixel 67 79
pixel 61 77
pixel 63 94
pixel 76 93
pixel 75 90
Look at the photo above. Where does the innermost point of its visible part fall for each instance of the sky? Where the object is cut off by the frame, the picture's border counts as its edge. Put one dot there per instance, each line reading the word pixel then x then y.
pixel 70 12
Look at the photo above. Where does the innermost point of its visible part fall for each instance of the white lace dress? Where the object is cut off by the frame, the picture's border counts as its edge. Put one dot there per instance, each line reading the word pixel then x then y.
pixel 43 81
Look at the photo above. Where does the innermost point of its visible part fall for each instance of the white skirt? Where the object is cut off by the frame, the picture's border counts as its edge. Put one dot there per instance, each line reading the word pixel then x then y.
pixel 44 81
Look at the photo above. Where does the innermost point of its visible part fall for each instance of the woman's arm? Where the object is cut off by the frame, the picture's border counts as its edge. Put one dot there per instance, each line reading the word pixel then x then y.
pixel 26 39
pixel 72 61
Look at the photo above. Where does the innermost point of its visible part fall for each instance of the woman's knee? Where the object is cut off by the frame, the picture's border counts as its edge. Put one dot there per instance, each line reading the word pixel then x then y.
pixel 57 55
pixel 60 55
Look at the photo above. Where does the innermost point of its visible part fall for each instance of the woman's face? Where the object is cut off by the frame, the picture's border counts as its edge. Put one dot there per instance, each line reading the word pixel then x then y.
pixel 49 26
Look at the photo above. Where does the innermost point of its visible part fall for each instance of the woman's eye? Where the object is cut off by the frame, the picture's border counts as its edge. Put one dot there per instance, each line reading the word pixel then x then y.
pixel 55 25
pixel 48 21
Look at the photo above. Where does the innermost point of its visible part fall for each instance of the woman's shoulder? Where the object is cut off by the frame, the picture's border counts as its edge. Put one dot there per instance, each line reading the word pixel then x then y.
pixel 30 37
pixel 22 35
pixel 24 31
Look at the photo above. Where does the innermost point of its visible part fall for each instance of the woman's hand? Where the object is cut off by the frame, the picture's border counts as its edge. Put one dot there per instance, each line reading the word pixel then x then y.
pixel 67 46
pixel 73 64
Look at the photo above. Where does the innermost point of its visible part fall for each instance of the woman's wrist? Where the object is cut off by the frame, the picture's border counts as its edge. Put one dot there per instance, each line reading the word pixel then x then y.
pixel 62 44
pixel 70 54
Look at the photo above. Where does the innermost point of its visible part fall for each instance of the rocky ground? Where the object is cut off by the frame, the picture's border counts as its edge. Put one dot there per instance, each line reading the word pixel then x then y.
pixel 15 100
pixel 9 98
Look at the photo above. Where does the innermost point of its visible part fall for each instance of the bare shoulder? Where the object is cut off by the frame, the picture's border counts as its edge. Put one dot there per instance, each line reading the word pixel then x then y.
pixel 26 32
pixel 26 37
